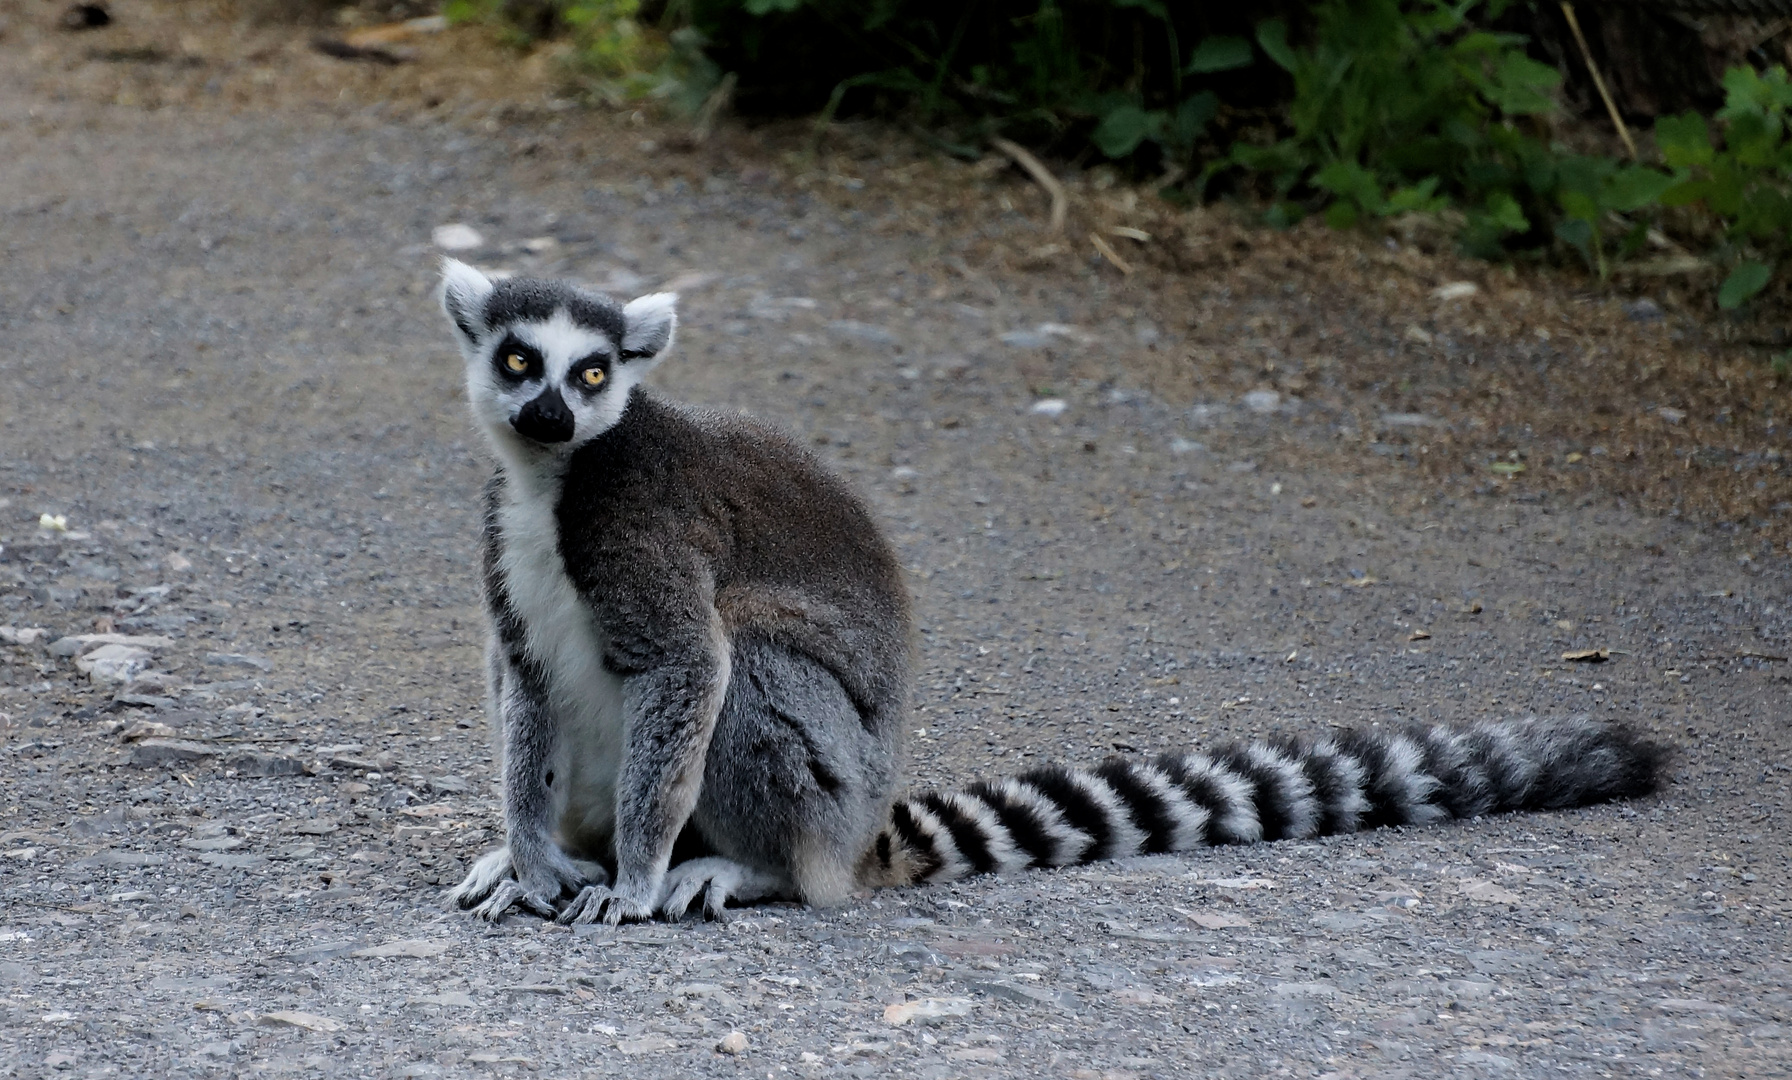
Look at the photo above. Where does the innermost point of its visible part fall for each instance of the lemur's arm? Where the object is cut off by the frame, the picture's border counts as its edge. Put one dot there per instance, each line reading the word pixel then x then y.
pixel 531 870
pixel 668 644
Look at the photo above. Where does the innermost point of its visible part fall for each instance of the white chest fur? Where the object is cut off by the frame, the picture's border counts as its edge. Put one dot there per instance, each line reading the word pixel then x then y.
pixel 561 635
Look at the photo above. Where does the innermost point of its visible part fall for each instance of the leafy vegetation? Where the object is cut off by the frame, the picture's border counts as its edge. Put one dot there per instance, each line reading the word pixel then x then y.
pixel 1358 110
pixel 1746 183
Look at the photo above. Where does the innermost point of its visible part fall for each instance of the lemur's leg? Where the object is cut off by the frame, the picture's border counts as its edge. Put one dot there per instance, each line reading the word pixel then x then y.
pixel 795 786
pixel 670 711
pixel 531 871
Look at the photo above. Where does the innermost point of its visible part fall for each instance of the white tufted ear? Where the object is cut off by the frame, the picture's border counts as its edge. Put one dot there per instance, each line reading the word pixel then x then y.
pixel 464 293
pixel 648 324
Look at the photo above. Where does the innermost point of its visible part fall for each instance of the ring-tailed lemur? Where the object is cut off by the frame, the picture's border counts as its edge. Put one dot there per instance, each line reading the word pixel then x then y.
pixel 699 666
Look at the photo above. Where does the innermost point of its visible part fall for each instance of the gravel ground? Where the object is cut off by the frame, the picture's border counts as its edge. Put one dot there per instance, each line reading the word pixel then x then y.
pixel 228 389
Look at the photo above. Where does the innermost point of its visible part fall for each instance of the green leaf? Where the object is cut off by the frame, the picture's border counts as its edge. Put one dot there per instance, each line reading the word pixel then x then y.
pixel 1341 214
pixel 1506 213
pixel 1577 233
pixel 1349 180
pixel 1522 86
pixel 1191 118
pixel 1123 129
pixel 766 7
pixel 1272 36
pixel 1746 280
pixel 1421 197
pixel 1630 189
pixel 1684 140
pixel 1220 53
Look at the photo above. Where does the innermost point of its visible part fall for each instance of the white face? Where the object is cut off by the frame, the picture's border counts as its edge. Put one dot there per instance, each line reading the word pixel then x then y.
pixel 551 375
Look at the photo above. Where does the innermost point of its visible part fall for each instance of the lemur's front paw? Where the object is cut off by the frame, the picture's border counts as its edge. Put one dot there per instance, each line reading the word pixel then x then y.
pixel 598 904
pixel 492 869
pixel 500 881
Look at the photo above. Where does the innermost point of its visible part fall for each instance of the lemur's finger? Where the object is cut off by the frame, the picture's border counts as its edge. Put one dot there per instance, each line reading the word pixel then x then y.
pixel 585 907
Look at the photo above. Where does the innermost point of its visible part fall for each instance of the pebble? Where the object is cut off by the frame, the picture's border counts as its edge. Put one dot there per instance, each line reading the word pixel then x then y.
pixel 80 644
pixel 259 663
pixel 733 1044
pixel 1643 310
pixel 1050 406
pixel 114 663
pixel 1262 401
pixel 869 333
pixel 1026 339
pixel 457 236
pixel 1408 419
pixel 646 1044
pixel 253 764
pixel 170 752
pixel 22 635
pixel 927 1011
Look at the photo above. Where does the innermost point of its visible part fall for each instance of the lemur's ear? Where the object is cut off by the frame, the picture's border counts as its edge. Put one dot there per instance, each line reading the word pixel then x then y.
pixel 464 292
pixel 649 322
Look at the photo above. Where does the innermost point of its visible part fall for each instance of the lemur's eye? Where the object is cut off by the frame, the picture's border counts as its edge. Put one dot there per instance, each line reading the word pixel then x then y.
pixel 516 363
pixel 592 376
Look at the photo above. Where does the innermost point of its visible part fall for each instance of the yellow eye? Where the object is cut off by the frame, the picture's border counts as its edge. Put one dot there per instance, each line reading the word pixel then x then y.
pixel 517 363
pixel 592 376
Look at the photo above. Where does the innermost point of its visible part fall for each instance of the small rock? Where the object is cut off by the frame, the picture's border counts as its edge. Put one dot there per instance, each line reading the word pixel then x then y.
pixel 448 785
pixel 22 635
pixel 927 1011
pixel 1180 445
pixel 308 1021
pixel 1026 339
pixel 1050 406
pixel 457 236
pixel 82 644
pixel 219 659
pixel 114 663
pixel 1672 416
pixel 1643 310
pixel 265 765
pixel 170 752
pixel 410 948
pixel 537 245
pixel 1487 892
pixel 646 1044
pixel 179 563
pixel 1217 920
pixel 315 827
pixel 1262 401
pixel 1408 419
pixel 1455 290
pixel 733 1044
pixel 870 333
pixel 214 843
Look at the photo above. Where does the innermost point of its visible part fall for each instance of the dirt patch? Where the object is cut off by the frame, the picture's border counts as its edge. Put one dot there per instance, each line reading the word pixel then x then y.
pixel 1498 380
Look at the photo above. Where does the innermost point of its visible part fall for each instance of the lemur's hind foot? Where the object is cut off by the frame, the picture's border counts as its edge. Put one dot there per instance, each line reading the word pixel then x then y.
pixel 717 881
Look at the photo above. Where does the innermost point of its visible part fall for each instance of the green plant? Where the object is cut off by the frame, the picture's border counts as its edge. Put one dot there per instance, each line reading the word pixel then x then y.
pixel 1409 107
pixel 1746 183
pixel 606 33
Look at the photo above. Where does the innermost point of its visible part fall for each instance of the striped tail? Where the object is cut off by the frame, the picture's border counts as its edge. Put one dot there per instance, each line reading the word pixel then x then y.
pixel 1275 789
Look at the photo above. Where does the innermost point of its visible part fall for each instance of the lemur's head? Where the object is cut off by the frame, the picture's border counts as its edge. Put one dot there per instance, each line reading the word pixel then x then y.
pixel 549 363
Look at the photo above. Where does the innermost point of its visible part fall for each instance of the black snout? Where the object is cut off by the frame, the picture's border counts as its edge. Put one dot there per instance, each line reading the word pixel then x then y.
pixel 546 419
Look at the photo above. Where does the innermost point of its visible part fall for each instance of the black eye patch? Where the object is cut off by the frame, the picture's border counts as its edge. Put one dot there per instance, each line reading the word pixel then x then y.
pixel 516 361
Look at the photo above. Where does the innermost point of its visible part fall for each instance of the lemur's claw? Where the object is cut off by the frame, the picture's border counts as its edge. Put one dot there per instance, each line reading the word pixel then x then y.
pixel 620 909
